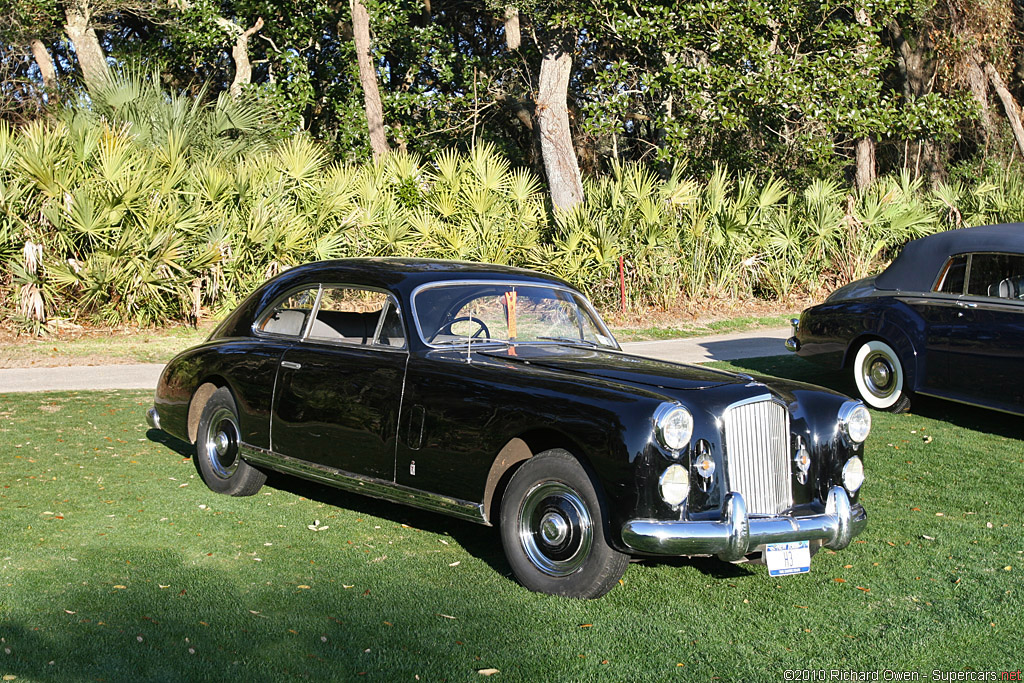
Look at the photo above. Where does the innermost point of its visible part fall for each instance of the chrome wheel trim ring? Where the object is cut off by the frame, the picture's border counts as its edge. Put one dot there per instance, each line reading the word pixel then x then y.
pixel 878 375
pixel 222 443
pixel 555 530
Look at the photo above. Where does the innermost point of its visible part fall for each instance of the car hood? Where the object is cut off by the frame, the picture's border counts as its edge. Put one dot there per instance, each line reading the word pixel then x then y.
pixel 618 366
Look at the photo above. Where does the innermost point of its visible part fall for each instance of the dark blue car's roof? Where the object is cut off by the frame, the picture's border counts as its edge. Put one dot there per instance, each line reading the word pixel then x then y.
pixel 917 266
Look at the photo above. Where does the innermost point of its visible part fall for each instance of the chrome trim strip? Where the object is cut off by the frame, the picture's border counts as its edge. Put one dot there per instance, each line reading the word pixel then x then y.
pixel 367 486
pixel 738 534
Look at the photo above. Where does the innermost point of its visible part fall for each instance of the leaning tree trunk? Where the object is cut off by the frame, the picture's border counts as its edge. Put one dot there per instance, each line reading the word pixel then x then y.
pixel 240 52
pixel 78 26
pixel 368 80
pixel 1009 105
pixel 560 164
pixel 864 147
pixel 45 64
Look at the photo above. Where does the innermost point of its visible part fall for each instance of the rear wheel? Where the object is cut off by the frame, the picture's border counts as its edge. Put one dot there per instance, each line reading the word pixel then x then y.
pixel 878 374
pixel 552 529
pixel 218 458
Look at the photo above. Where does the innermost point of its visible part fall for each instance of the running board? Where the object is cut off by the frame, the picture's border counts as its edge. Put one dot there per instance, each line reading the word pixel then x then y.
pixel 367 486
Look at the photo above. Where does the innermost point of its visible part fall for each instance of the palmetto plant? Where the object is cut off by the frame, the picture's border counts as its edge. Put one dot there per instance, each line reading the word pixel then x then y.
pixel 147 206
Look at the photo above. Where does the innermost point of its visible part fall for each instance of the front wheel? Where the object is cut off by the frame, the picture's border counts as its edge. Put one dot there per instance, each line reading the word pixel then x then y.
pixel 552 529
pixel 218 458
pixel 878 374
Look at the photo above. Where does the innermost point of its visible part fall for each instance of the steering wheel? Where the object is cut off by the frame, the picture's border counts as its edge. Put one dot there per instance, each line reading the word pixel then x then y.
pixel 463 318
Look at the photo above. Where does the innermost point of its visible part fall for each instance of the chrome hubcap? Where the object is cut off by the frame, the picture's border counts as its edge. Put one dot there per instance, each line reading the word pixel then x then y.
pixel 879 375
pixel 222 443
pixel 555 528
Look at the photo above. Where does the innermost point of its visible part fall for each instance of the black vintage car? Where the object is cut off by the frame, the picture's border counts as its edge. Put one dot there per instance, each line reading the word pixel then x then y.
pixel 945 319
pixel 497 395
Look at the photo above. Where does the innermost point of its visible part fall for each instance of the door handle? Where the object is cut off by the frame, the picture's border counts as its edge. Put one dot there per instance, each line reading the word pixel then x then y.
pixel 966 304
pixel 290 365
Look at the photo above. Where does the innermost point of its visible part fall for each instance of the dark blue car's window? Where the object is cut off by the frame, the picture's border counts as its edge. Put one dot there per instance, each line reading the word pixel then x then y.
pixel 952 280
pixel 997 275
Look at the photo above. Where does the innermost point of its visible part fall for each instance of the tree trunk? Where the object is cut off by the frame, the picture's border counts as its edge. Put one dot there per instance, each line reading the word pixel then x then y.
pixel 978 84
pixel 865 156
pixel 560 162
pixel 917 69
pixel 368 80
pixel 513 38
pixel 240 52
pixel 1009 105
pixel 78 26
pixel 864 147
pixel 45 64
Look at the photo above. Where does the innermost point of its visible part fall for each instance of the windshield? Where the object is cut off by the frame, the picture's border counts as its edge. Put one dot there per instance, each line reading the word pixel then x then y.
pixel 511 313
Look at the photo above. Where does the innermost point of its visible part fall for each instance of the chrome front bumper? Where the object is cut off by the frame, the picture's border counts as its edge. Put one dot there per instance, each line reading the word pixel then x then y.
pixel 153 418
pixel 737 534
pixel 793 344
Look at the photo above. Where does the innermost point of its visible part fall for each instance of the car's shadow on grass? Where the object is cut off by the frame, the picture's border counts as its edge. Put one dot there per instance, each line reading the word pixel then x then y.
pixel 957 414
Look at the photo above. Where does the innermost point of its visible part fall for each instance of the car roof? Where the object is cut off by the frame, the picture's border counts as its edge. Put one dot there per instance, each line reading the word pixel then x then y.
pixel 402 275
pixel 918 264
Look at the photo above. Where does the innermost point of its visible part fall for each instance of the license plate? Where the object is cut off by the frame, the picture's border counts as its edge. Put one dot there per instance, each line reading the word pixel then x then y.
pixel 784 559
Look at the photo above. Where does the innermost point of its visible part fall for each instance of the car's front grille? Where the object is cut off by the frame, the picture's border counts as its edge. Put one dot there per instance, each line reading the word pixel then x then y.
pixel 757 455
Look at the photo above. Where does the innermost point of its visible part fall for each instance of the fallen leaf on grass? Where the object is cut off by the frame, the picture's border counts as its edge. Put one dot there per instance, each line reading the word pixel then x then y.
pixel 446 616
pixel 120 587
pixel 303 587
pixel 315 526
pixel 862 588
pixel 586 625
pixel 839 580
pixel 455 564
pixel 927 537
pixel 487 672
pixel 345 585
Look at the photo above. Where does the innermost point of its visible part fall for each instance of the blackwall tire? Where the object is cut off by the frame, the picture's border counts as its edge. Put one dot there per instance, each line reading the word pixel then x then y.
pixel 880 378
pixel 218 458
pixel 553 529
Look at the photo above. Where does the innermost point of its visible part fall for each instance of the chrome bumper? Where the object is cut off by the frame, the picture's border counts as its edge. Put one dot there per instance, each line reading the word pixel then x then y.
pixel 737 534
pixel 153 418
pixel 793 344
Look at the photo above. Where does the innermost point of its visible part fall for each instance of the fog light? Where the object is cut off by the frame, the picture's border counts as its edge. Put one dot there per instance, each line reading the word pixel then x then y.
pixel 675 485
pixel 853 474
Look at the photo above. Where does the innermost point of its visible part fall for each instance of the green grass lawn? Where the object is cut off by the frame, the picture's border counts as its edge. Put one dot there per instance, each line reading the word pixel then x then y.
pixel 118 564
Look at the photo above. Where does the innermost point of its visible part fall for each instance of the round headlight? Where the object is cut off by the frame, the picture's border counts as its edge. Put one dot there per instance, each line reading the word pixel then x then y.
pixel 675 484
pixel 855 421
pixel 853 474
pixel 673 426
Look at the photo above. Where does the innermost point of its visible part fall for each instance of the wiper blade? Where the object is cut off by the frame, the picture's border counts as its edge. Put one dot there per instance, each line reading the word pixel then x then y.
pixel 468 340
pixel 571 341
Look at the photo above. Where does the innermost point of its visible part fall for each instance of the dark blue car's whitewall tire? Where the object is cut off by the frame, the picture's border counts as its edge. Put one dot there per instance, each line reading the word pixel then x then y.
pixel 218 458
pixel 879 376
pixel 552 529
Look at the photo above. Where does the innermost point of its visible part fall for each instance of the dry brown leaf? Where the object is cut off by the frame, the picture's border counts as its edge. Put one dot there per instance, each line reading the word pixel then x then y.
pixel 487 672
pixel 839 580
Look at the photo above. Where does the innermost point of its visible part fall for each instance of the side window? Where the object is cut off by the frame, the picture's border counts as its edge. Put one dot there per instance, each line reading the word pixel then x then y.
pixel 997 275
pixel 288 316
pixel 952 279
pixel 356 316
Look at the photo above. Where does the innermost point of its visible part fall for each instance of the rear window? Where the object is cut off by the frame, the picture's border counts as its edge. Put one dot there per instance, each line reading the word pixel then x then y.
pixel 996 275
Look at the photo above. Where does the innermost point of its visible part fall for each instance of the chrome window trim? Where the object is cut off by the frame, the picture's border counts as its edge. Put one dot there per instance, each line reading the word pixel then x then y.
pixel 262 315
pixel 578 296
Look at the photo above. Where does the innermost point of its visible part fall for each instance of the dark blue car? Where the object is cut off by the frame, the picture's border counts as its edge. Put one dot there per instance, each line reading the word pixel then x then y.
pixel 945 319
